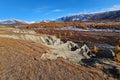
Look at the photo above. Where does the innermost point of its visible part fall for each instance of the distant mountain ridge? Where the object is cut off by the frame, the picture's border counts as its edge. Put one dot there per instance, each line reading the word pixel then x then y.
pixel 109 15
pixel 11 21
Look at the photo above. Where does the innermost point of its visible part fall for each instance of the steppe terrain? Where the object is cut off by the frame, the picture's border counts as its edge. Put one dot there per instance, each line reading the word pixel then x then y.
pixel 25 54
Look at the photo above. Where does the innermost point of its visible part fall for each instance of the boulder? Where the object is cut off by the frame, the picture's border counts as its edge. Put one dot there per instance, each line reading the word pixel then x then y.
pixel 85 52
pixel 105 53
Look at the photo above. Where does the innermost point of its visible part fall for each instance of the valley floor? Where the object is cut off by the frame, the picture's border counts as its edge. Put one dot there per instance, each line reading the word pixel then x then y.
pixel 101 37
pixel 27 55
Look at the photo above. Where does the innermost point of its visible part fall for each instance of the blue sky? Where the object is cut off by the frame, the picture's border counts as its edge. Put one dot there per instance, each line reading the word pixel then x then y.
pixel 34 10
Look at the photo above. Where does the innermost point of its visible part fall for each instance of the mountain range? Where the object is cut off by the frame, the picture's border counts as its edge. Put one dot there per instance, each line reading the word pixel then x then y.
pixel 106 16
pixel 109 15
pixel 12 21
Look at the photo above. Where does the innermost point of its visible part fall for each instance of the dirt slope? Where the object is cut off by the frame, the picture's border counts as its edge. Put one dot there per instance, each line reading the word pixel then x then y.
pixel 21 60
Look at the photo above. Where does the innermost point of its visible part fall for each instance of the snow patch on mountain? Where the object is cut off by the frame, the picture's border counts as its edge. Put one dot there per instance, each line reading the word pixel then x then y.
pixel 94 16
pixel 12 21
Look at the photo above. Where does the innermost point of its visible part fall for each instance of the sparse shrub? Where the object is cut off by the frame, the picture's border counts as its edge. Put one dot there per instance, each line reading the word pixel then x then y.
pixel 95 49
pixel 117 57
pixel 117 48
pixel 117 53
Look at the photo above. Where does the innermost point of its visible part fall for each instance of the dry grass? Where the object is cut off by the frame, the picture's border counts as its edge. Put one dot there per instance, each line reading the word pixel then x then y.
pixel 21 60
pixel 117 58
pixel 66 24
pixel 83 36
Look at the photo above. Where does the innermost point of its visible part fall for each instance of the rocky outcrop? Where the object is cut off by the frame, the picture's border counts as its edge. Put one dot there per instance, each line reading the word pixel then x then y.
pixel 75 56
pixel 105 53
pixel 67 50
pixel 85 51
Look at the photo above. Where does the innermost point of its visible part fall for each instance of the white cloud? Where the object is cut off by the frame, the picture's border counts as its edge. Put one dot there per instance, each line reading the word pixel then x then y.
pixel 85 11
pixel 54 11
pixel 114 7
pixel 30 22
pixel 57 10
